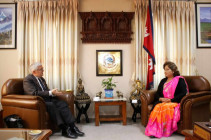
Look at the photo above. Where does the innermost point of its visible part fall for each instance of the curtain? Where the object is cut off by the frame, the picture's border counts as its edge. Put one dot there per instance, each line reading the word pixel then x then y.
pixel 174 36
pixel 141 55
pixel 47 33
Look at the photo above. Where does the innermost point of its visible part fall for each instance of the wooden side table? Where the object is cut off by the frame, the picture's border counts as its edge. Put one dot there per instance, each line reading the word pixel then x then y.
pixel 82 109
pixel 136 109
pixel 122 111
pixel 189 135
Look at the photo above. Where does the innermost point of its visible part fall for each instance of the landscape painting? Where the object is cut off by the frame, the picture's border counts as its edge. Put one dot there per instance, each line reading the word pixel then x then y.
pixel 203 25
pixel 7 26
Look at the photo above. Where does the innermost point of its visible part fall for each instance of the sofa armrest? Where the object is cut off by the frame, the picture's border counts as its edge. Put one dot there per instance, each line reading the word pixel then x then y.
pixel 147 98
pixel 68 97
pixel 24 101
pixel 196 97
pixel 192 106
pixel 25 106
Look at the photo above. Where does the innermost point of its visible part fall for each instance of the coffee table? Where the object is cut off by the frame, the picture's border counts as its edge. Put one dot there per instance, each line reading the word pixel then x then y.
pixel 15 133
pixel 121 102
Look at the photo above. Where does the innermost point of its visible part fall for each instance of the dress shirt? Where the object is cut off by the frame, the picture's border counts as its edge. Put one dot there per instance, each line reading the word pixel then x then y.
pixel 50 92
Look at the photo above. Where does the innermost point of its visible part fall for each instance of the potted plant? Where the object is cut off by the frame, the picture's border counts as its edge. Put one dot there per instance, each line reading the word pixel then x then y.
pixel 108 85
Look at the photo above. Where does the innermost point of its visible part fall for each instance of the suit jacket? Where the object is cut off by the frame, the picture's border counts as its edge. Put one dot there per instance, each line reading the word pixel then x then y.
pixel 58 110
pixel 32 87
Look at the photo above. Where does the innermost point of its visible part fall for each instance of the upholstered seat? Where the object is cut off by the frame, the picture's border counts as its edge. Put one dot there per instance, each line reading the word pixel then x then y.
pixel 192 106
pixel 31 109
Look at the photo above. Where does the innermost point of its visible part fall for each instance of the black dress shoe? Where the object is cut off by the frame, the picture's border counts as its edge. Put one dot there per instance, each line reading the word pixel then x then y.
pixel 77 131
pixel 68 133
pixel 152 136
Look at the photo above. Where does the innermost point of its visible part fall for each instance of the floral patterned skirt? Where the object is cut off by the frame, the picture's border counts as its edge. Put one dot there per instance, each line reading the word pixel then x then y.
pixel 163 120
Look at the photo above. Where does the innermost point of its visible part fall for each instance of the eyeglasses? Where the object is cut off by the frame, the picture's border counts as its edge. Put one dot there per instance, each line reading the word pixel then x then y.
pixel 40 69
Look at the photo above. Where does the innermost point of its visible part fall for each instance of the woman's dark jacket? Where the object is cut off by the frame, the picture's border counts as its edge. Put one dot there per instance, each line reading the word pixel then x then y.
pixel 180 92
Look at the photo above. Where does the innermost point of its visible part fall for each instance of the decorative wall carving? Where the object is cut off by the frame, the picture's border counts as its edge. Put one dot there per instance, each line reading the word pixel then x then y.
pixel 106 27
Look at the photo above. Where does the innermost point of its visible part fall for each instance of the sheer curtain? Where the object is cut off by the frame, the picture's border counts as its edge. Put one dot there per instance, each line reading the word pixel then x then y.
pixel 47 32
pixel 174 35
pixel 141 55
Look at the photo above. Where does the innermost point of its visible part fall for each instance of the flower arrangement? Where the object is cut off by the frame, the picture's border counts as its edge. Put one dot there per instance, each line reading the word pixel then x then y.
pixel 108 84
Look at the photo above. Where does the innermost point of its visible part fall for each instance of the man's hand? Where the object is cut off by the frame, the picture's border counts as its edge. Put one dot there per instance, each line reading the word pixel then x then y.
pixel 55 92
pixel 165 100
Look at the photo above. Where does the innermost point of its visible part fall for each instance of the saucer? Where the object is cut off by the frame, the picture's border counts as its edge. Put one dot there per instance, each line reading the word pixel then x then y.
pixel 35 132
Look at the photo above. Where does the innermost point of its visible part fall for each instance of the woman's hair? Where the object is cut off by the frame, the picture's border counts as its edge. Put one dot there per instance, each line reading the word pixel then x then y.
pixel 173 67
pixel 34 66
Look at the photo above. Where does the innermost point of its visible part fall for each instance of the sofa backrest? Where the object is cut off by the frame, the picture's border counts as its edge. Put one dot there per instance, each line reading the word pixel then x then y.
pixel 197 83
pixel 13 86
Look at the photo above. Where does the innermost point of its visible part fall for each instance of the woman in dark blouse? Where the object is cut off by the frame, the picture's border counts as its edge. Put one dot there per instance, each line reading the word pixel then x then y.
pixel 165 112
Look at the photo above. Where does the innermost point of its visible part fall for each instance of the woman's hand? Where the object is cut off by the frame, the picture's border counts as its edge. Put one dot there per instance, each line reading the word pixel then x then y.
pixel 165 100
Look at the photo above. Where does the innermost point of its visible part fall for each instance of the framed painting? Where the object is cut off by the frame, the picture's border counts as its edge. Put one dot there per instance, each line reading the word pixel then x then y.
pixel 109 62
pixel 203 21
pixel 7 26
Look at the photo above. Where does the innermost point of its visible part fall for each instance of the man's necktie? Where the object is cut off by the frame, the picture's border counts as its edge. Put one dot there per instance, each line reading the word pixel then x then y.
pixel 42 85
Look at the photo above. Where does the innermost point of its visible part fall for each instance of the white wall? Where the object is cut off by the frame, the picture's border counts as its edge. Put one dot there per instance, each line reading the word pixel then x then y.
pixel 203 65
pixel 6 1
pixel 88 72
pixel 8 60
pixel 87 57
pixel 203 56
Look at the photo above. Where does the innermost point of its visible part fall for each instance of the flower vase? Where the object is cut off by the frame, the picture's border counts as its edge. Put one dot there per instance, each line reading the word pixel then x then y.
pixel 108 93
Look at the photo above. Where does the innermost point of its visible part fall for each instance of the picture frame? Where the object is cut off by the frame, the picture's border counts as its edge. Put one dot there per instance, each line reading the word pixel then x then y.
pixel 8 25
pixel 203 25
pixel 109 63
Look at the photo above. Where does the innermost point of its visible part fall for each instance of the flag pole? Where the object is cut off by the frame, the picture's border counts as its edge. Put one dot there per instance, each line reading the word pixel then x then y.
pixel 148 46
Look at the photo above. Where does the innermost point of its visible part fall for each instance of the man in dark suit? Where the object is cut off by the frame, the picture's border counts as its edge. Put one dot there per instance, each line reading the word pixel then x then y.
pixel 34 84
